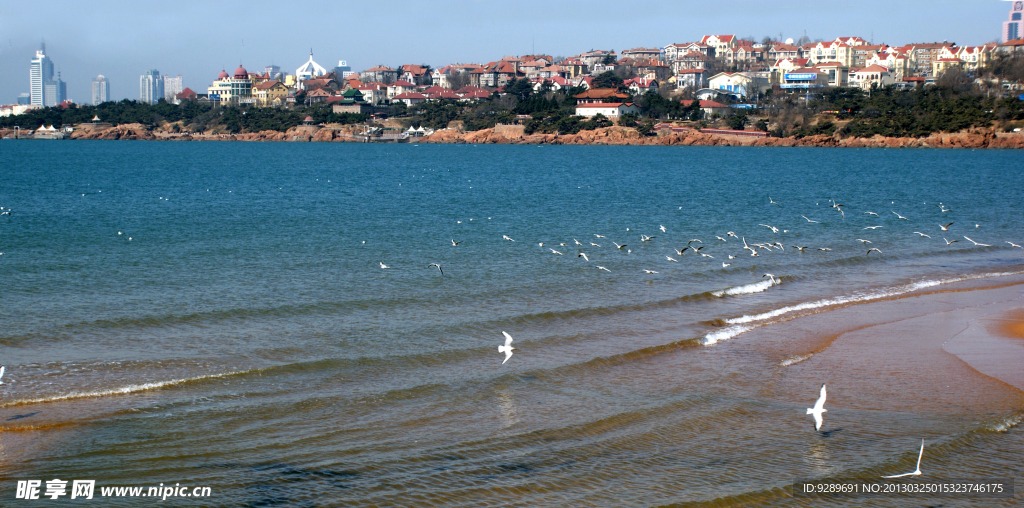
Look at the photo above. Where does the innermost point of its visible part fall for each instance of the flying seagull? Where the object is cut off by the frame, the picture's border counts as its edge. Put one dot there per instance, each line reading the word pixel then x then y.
pixel 861 240
pixel 730 233
pixel 594 244
pixel 773 228
pixel 809 220
pixel 772 202
pixel 800 248
pixel 507 348
pixel 438 267
pixel 946 227
pixel 670 259
pixel 454 243
pixel 603 268
pixel 922 234
pixel 724 264
pixel 617 246
pixel 772 277
pixel 1014 246
pixel 871 213
pixel 976 244
pixel 720 238
pixel 899 216
pixel 917 472
pixel 383 266
pixel 818 409
pixel 2 369
pixel 577 241
pixel 599 236
pixel 873 249
pixel 583 255
pixel 649 271
pixel 662 228
pixel 948 243
pixel 506 237
pixel 874 227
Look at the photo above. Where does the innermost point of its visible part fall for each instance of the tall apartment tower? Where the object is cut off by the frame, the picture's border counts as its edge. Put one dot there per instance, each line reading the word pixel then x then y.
pixel 151 87
pixel 40 73
pixel 54 92
pixel 172 87
pixel 1014 27
pixel 100 90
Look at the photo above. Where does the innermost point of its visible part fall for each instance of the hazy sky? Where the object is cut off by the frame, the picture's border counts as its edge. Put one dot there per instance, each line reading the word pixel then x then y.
pixel 121 40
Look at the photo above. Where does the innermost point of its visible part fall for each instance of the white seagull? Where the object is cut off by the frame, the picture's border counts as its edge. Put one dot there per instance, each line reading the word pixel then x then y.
pixel 1014 246
pixel 730 233
pixel 772 202
pixel 917 471
pixel 662 228
pixel 724 264
pixel 772 277
pixel 818 409
pixel 873 249
pixel 899 216
pixel 861 240
pixel 720 238
pixel 874 227
pixel 577 241
pixel 454 243
pixel 922 234
pixel 946 227
pixel 383 266
pixel 437 266
pixel 2 369
pixel 809 220
pixel 599 236
pixel 507 348
pixel 553 251
pixel 670 259
pixel 506 237
pixel 871 213
pixel 603 268
pixel 594 244
pixel 617 246
pixel 583 255
pixel 773 228
pixel 976 244
pixel 649 271
pixel 948 243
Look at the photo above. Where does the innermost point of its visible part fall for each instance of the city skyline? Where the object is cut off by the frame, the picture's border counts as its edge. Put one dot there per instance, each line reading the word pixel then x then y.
pixel 80 37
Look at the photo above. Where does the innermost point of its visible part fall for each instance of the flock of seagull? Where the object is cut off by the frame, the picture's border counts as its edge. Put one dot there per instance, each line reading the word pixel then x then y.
pixel 696 246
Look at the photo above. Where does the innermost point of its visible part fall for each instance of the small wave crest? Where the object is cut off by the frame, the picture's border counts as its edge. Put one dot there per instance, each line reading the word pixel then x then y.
pixel 726 334
pixel 746 289
pixel 796 359
pixel 124 390
pixel 1006 424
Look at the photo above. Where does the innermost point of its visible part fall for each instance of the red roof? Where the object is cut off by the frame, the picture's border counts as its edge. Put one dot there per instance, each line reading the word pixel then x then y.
pixel 411 95
pixel 604 105
pixel 691 71
pixel 725 38
pixel 402 82
pixel 706 104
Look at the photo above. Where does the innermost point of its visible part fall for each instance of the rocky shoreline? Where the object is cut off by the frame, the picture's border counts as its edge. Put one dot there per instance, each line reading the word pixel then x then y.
pixel 973 138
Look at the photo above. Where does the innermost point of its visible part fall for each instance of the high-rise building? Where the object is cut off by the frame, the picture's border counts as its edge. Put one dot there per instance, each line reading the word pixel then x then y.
pixel 54 92
pixel 273 72
pixel 151 87
pixel 172 87
pixel 1013 28
pixel 24 99
pixel 100 90
pixel 342 70
pixel 40 73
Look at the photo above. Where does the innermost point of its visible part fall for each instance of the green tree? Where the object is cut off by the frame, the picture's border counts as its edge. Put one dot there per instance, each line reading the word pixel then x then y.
pixel 738 121
pixel 606 79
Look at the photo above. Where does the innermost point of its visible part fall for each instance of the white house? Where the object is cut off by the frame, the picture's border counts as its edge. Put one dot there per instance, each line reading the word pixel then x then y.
pixel 410 98
pixel 741 83
pixel 608 109
pixel 872 75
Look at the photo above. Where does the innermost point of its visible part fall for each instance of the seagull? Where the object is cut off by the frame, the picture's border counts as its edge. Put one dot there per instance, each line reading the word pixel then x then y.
pixel 772 277
pixel 720 238
pixel 724 264
pixel 679 252
pixel 818 409
pixel 617 246
pixel 871 213
pixel 873 249
pixel 553 251
pixel 731 256
pixel 672 260
pixel 824 249
pixel 917 472
pixel 438 267
pixel 706 255
pixel 861 240
pixel 603 268
pixel 694 240
pixel 976 244
pixel 599 236
pixel 1014 246
pixel 454 243
pixel 583 255
pixel 772 202
pixel 696 249
pixel 948 243
pixel 383 266
pixel 507 348
pixel 2 369
pixel 649 271
pixel 541 244
pixel 800 248
pixel 506 237
pixel 946 227
pixel 594 244
pixel 730 233
pixel 118 233
pixel 809 220
pixel 943 208
pixel 645 238
pixel 577 241
pixel 922 234
pixel 773 228
pixel 662 228
pixel 874 227
pixel 898 216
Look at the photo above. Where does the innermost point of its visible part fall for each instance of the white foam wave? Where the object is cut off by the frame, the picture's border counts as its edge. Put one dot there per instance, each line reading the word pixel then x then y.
pixel 796 359
pixel 747 289
pixel 1007 424
pixel 743 324
pixel 859 298
pixel 123 390
pixel 725 334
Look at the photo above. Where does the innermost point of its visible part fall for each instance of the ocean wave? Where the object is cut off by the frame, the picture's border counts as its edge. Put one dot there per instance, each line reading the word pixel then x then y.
pixel 1006 424
pixel 124 390
pixel 747 289
pixel 746 323
pixel 794 360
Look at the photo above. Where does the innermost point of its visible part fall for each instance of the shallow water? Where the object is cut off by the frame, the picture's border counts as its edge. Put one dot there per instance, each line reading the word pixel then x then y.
pixel 245 337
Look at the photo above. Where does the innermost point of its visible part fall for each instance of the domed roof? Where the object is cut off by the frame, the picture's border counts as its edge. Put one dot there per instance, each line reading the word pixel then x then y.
pixel 223 75
pixel 241 73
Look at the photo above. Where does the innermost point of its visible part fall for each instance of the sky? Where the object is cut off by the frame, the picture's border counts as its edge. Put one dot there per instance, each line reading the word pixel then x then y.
pixel 121 40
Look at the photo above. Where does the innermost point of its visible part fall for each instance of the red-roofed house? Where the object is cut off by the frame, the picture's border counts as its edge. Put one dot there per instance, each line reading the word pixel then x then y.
pixel 608 109
pixel 415 74
pixel 410 98
pixel 379 74
pixel 399 87
pixel 1012 47
pixel 185 95
pixel 597 95
pixel 675 51
pixel 874 75
pixel 640 86
pixel 556 83
pixel 719 42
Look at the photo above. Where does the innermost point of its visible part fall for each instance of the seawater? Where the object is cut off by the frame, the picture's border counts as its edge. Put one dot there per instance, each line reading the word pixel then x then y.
pixel 215 313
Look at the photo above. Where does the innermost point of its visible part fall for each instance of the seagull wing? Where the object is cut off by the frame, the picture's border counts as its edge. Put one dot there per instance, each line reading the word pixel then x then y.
pixel 508 339
pixel 820 403
pixel 2 369
pixel 817 421
pixel 898 475
pixel 919 455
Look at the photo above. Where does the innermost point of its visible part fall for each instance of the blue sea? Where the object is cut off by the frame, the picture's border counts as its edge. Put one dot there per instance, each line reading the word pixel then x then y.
pixel 216 314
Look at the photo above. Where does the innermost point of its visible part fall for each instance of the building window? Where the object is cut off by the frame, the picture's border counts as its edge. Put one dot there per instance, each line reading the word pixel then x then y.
pixel 1016 16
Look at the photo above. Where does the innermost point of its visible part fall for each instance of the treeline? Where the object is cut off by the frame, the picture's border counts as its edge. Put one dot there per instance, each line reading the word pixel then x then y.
pixel 892 112
pixel 191 116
